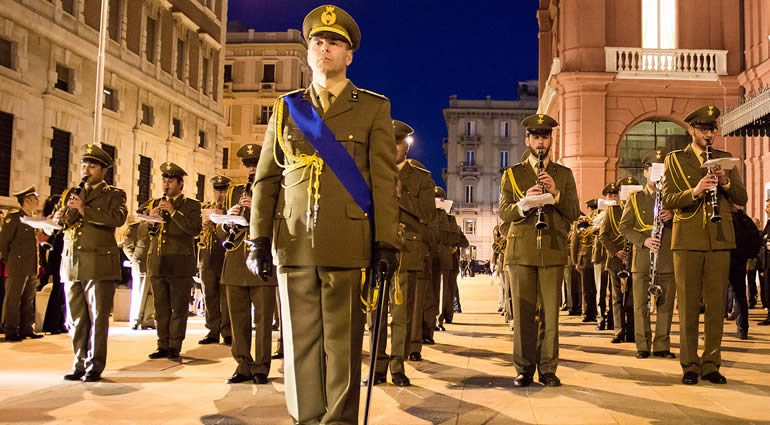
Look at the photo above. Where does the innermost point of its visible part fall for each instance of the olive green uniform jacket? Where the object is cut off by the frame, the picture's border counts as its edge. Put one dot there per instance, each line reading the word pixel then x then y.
pixel 18 244
pixel 636 226
pixel 611 238
pixel 172 250
pixel 416 210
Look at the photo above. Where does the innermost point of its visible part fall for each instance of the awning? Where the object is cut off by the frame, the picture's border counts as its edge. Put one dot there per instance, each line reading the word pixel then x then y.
pixel 750 119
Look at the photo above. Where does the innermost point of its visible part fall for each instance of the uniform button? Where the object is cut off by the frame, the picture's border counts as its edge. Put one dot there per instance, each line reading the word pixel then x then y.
pixel 164 241
pixel 289 137
pixel 108 252
pixel 350 137
pixel 80 233
pixel 79 247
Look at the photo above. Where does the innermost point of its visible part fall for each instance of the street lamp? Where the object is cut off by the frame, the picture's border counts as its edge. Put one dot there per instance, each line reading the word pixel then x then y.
pixel 409 140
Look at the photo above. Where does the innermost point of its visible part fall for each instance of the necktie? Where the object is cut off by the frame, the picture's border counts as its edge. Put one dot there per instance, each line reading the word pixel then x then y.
pixel 702 157
pixel 326 99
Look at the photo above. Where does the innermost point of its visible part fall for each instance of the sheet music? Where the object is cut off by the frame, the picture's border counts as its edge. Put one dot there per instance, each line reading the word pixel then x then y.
pixel 228 219
pixel 529 202
pixel 150 218
pixel 42 223
pixel 725 163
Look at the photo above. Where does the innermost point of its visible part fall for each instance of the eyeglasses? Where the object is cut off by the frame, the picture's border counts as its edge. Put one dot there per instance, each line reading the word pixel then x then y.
pixel 707 129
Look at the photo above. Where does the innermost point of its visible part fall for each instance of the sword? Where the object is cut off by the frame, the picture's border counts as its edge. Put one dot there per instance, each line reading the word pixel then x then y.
pixel 381 288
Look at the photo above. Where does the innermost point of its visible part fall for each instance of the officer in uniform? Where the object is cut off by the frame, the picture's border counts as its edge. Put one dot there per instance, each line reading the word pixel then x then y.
pixel 135 246
pixel 619 262
pixel 582 250
pixel 436 248
pixel 535 258
pixel 452 240
pixel 90 263
pixel 325 186
pixel 245 290
pixel 171 261
pixel 701 247
pixel 636 226
pixel 598 258
pixel 211 255
pixel 18 248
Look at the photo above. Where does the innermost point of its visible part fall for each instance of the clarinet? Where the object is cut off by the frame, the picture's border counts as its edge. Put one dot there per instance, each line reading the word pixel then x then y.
pixel 154 228
pixel 712 195
pixel 624 274
pixel 235 231
pixel 541 223
pixel 654 288
pixel 48 244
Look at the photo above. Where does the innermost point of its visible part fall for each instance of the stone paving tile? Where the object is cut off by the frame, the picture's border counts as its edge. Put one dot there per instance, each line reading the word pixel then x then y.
pixel 466 378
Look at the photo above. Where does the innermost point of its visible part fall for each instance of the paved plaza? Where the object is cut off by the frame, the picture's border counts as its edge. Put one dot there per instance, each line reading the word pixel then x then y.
pixel 466 378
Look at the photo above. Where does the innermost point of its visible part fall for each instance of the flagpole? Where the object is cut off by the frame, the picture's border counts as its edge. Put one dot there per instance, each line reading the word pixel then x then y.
pixel 99 98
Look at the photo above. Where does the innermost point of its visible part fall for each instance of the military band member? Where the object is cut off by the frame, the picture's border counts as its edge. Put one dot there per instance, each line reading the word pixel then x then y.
pixel 245 290
pixel 171 260
pixel 535 258
pixel 324 195
pixel 91 262
pixel 211 255
pixel 432 295
pixel 610 192
pixel 619 262
pixel 598 258
pixel 18 248
pixel 636 226
pixel 135 246
pixel 452 240
pixel 701 247
pixel 582 254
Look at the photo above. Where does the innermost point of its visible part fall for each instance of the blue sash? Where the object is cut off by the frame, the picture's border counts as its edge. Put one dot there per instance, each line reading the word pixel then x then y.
pixel 330 150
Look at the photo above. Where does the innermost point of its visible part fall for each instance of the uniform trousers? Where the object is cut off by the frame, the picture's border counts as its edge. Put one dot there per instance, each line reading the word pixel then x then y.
pixel 741 305
pixel 589 292
pixel 622 305
pixel 448 294
pixel 536 294
pixel 664 311
pixel 601 279
pixel 19 305
pixel 421 280
pixel 142 306
pixel 432 298
pixel 241 299
pixel 323 327
pixel 172 299
pixel 217 315
pixel 400 325
pixel 89 303
pixel 701 275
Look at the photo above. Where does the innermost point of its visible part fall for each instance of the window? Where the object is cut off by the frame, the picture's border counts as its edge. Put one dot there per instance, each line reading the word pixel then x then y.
pixel 504 159
pixel 469 227
pixel 68 6
pixel 110 177
pixel 228 73
pixel 110 99
pixel 63 75
pixel 201 187
pixel 180 59
pixel 469 128
pixel 505 129
pixel 202 139
pixel 6 149
pixel 265 113
pixel 205 78
pixel 225 157
pixel 149 51
pixel 6 53
pixel 148 115
pixel 145 170
pixel 468 194
pixel 470 158
pixel 659 24
pixel 176 125
pixel 60 159
pixel 113 25
pixel 268 73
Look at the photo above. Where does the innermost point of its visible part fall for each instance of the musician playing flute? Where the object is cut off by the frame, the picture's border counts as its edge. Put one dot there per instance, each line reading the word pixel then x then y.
pixel 637 223
pixel 701 247
pixel 535 257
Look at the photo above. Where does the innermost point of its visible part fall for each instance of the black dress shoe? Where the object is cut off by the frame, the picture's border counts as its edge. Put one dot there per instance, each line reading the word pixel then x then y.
pixel 145 327
pixel 449 321
pixel 550 380
pixel 400 380
pixel 589 319
pixel 13 337
pixel 602 326
pixel 92 377
pixel 237 378
pixel 715 378
pixel 630 338
pixel 415 357
pixel 690 378
pixel 499 309
pixel 377 379
pixel 74 376
pixel 665 354
pixel 173 354
pixel 642 354
pixel 209 340
pixel 765 322
pixel 277 356
pixel 428 341
pixel 441 327
pixel 523 380
pixel 32 336
pixel 617 339
pixel 260 379
pixel 743 335
pixel 228 340
pixel 160 353
pixel 135 327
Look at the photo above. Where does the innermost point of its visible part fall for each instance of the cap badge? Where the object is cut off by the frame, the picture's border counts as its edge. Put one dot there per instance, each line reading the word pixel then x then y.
pixel 90 149
pixel 540 118
pixel 329 17
pixel 249 149
pixel 658 154
pixel 219 179
pixel 711 110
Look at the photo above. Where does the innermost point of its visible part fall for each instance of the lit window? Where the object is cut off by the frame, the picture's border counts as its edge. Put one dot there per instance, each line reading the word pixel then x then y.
pixel 469 227
pixel 468 194
pixel 505 129
pixel 470 158
pixel 659 24
pixel 504 159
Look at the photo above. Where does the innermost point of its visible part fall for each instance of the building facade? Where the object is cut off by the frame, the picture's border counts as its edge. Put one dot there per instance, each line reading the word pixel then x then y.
pixel 259 67
pixel 162 92
pixel 626 86
pixel 483 138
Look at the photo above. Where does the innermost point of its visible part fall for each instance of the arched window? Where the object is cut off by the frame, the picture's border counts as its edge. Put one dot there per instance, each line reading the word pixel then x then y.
pixel 644 137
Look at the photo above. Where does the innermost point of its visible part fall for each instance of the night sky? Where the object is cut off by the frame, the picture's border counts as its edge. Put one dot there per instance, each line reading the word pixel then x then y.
pixel 419 52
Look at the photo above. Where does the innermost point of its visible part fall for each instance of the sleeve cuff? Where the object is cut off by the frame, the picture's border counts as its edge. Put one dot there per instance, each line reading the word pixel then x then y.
pixel 726 186
pixel 557 197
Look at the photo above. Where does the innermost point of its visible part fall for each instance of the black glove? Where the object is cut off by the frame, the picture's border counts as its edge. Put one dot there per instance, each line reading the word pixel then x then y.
pixel 260 259
pixel 385 259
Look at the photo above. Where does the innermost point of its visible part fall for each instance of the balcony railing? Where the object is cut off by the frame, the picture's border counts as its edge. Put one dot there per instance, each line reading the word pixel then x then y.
pixel 467 169
pixel 673 64
pixel 470 140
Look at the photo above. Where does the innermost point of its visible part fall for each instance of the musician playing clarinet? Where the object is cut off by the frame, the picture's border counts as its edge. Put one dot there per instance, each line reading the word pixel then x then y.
pixel 701 241
pixel 647 225
pixel 536 251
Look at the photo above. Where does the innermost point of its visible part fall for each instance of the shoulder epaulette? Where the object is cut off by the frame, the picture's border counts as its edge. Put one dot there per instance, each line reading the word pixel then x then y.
pixel 292 92
pixel 193 199
pixel 373 94
pixel 417 165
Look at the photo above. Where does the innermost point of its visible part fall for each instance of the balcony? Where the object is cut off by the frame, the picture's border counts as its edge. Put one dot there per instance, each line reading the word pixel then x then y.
pixel 470 140
pixel 669 64
pixel 468 169
pixel 467 206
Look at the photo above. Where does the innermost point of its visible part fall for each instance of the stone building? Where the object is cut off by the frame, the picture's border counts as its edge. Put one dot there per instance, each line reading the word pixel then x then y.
pixel 484 138
pixel 162 92
pixel 259 67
